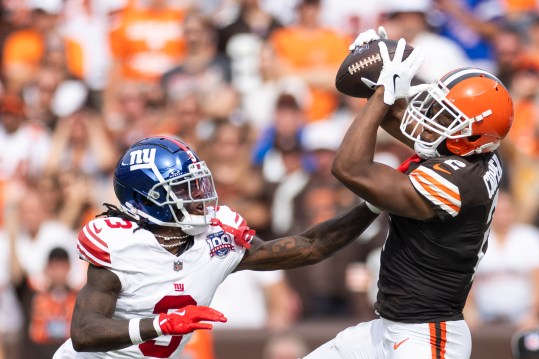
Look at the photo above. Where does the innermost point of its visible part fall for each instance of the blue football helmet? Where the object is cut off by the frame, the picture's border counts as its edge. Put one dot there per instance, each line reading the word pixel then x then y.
pixel 162 180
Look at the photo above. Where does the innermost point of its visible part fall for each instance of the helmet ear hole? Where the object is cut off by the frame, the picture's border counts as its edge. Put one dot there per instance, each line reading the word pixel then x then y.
pixel 473 138
pixel 143 200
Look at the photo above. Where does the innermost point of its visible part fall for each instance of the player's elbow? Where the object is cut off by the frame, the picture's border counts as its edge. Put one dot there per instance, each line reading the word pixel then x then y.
pixel 345 166
pixel 79 344
pixel 80 341
pixel 340 169
pixel 350 176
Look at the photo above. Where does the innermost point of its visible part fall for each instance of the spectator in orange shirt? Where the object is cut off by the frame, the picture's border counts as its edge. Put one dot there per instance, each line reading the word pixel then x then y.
pixel 314 53
pixel 25 49
pixel 521 13
pixel 51 309
pixel 146 41
pixel 202 69
pixel 525 131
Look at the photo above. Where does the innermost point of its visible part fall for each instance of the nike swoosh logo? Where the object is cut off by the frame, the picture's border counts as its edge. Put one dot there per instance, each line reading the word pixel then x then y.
pixel 437 167
pixel 397 345
pixel 395 77
pixel 182 313
pixel 97 230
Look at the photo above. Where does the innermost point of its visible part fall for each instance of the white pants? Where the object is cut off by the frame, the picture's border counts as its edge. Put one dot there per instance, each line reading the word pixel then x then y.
pixel 66 351
pixel 382 338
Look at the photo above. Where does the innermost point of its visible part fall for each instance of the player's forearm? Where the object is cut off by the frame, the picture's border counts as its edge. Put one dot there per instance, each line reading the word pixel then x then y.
pixel 310 246
pixel 99 334
pixel 356 152
pixel 334 234
pixel 354 164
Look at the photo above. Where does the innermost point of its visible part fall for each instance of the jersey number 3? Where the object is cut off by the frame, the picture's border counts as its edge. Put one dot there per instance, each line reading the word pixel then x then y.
pixel 151 348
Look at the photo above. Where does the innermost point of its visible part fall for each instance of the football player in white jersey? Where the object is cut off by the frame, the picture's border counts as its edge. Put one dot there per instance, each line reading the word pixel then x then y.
pixel 156 261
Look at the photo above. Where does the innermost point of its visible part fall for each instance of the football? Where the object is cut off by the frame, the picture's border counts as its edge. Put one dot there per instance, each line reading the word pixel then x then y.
pixel 364 61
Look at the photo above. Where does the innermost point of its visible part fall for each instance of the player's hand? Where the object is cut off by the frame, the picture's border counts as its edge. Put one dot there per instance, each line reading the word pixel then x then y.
pixel 368 36
pixel 240 230
pixel 397 74
pixel 188 319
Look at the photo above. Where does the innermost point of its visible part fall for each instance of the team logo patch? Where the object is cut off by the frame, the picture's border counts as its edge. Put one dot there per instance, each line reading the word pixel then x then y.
pixel 220 244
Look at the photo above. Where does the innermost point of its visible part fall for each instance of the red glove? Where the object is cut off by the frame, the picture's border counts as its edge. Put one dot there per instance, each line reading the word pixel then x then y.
pixel 186 320
pixel 241 231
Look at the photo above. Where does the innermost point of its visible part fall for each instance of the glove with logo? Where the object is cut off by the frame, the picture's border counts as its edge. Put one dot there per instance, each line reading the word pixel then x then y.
pixel 396 75
pixel 368 36
pixel 186 320
pixel 243 235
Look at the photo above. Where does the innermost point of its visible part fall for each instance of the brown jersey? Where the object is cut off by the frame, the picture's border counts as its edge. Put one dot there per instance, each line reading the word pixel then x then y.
pixel 427 267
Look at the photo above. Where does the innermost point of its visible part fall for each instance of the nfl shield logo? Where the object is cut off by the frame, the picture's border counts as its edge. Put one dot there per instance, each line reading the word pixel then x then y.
pixel 178 265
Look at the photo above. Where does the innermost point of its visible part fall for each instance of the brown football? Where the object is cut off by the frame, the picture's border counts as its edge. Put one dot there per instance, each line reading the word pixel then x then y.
pixel 364 61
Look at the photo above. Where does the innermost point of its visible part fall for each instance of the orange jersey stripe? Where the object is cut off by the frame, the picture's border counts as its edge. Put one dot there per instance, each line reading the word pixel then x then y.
pixel 438 184
pixel 435 194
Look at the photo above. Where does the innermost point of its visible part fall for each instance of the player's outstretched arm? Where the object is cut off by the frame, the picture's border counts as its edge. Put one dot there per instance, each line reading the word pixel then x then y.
pixel 94 330
pixel 377 183
pixel 310 246
pixel 354 165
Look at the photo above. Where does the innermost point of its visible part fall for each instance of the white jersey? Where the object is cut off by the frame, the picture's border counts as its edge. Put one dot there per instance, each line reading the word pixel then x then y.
pixel 154 280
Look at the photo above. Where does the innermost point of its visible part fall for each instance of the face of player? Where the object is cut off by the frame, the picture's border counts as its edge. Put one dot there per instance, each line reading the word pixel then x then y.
pixel 194 194
pixel 444 119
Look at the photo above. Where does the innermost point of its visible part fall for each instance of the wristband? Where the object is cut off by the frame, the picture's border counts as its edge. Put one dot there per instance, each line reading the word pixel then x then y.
pixel 157 327
pixel 373 208
pixel 134 331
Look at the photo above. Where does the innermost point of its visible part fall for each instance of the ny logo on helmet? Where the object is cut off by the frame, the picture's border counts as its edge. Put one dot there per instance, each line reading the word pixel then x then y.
pixel 142 158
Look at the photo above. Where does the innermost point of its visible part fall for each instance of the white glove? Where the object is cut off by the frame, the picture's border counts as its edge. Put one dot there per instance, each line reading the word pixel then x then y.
pixel 368 36
pixel 396 74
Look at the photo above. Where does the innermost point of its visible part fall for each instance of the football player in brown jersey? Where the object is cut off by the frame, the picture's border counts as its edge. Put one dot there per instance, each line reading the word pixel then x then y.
pixel 440 204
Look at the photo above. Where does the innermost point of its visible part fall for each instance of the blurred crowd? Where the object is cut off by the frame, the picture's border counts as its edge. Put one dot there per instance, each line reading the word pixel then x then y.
pixel 249 85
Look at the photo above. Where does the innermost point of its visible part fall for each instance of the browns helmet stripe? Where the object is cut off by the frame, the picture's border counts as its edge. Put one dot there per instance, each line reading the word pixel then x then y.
pixel 452 78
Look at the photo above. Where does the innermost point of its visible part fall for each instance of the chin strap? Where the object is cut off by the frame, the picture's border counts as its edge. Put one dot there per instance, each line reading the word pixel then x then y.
pixel 426 152
pixel 242 235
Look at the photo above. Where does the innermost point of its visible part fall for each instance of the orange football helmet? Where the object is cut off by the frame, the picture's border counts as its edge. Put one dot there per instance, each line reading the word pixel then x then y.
pixel 469 108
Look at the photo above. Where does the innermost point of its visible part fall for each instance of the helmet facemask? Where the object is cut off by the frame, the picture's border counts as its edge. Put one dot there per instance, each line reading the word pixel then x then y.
pixel 432 111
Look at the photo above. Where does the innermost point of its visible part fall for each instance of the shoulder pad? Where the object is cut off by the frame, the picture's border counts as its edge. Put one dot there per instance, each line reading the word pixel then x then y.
pixel 93 239
pixel 434 181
